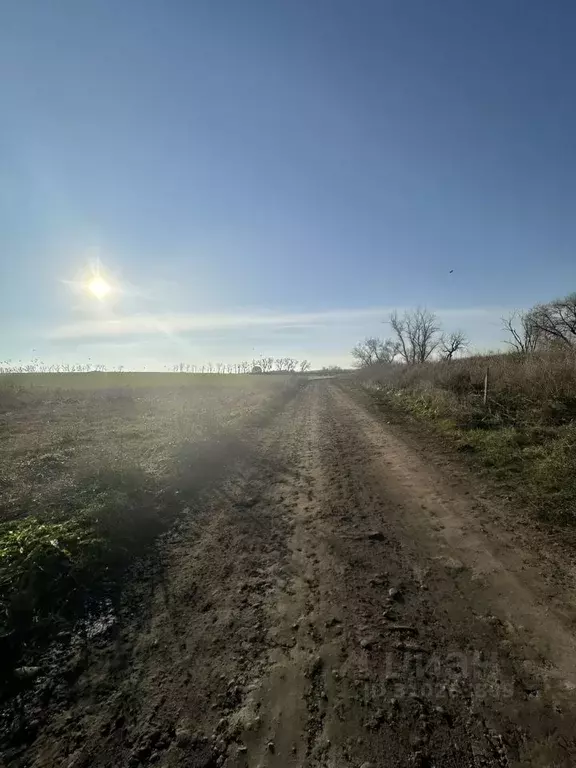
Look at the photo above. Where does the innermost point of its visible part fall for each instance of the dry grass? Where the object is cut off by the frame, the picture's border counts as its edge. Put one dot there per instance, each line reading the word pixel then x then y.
pixel 57 428
pixel 526 435
pixel 92 468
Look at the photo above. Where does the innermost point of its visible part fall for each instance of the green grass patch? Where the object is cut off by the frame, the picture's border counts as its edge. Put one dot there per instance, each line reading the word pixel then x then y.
pixel 72 551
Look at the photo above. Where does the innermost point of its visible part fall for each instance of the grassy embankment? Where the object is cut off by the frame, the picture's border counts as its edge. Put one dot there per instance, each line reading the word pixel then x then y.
pixel 525 436
pixel 92 468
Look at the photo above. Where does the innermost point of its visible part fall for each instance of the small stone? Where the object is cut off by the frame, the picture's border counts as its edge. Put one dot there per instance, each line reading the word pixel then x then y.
pixel 366 642
pixel 376 536
pixel 242 748
pixel 77 760
pixel 183 737
pixel 393 593
pixel 143 752
pixel 27 673
pixel 270 746
pixel 454 565
pixel 316 665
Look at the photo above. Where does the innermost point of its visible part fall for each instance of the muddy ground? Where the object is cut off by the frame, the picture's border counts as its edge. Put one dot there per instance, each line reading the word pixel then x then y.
pixel 341 599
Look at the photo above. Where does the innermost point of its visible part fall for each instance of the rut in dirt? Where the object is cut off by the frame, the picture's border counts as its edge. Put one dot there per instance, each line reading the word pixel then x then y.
pixel 339 601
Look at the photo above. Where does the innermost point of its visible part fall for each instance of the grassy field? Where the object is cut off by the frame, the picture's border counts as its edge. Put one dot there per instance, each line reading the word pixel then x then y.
pixel 92 468
pixel 524 436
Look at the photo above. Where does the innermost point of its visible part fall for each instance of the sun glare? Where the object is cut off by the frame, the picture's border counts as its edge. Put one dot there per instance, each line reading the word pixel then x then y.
pixel 99 287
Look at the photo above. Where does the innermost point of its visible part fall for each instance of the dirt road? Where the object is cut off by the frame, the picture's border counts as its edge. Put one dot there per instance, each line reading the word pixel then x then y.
pixel 340 600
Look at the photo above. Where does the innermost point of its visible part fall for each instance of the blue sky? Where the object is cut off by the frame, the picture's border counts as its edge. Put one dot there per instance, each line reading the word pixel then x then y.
pixel 273 176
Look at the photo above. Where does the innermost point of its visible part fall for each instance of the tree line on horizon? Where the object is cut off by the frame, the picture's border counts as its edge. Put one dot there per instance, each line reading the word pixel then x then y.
pixel 260 365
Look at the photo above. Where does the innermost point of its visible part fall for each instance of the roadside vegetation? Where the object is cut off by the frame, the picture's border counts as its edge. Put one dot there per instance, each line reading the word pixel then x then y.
pixel 93 467
pixel 514 412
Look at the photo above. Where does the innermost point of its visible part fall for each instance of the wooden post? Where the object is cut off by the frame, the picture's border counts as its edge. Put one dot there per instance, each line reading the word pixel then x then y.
pixel 486 386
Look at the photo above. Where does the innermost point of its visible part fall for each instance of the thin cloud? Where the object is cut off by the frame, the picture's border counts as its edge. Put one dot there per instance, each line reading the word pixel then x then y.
pixel 145 325
pixel 173 324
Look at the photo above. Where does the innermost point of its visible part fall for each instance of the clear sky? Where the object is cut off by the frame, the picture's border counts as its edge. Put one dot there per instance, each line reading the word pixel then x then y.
pixel 272 176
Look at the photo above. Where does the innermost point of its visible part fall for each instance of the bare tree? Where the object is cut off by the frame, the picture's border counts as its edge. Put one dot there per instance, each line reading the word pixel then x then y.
pixel 417 334
pixel 374 350
pixel 556 321
pixel 266 363
pixel 305 365
pixel 523 333
pixel 453 343
pixel 279 363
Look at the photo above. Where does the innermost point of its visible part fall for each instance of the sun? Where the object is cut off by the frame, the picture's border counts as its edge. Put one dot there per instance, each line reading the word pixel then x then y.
pixel 99 287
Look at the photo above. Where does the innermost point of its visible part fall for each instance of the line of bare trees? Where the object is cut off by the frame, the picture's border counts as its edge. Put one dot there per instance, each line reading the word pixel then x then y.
pixel 260 365
pixel 416 337
pixel 37 366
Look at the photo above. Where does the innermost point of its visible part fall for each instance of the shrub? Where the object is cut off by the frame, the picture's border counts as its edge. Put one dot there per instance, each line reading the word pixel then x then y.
pixel 539 387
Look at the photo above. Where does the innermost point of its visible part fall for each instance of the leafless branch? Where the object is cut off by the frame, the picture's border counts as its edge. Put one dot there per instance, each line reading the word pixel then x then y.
pixel 417 334
pixel 453 343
